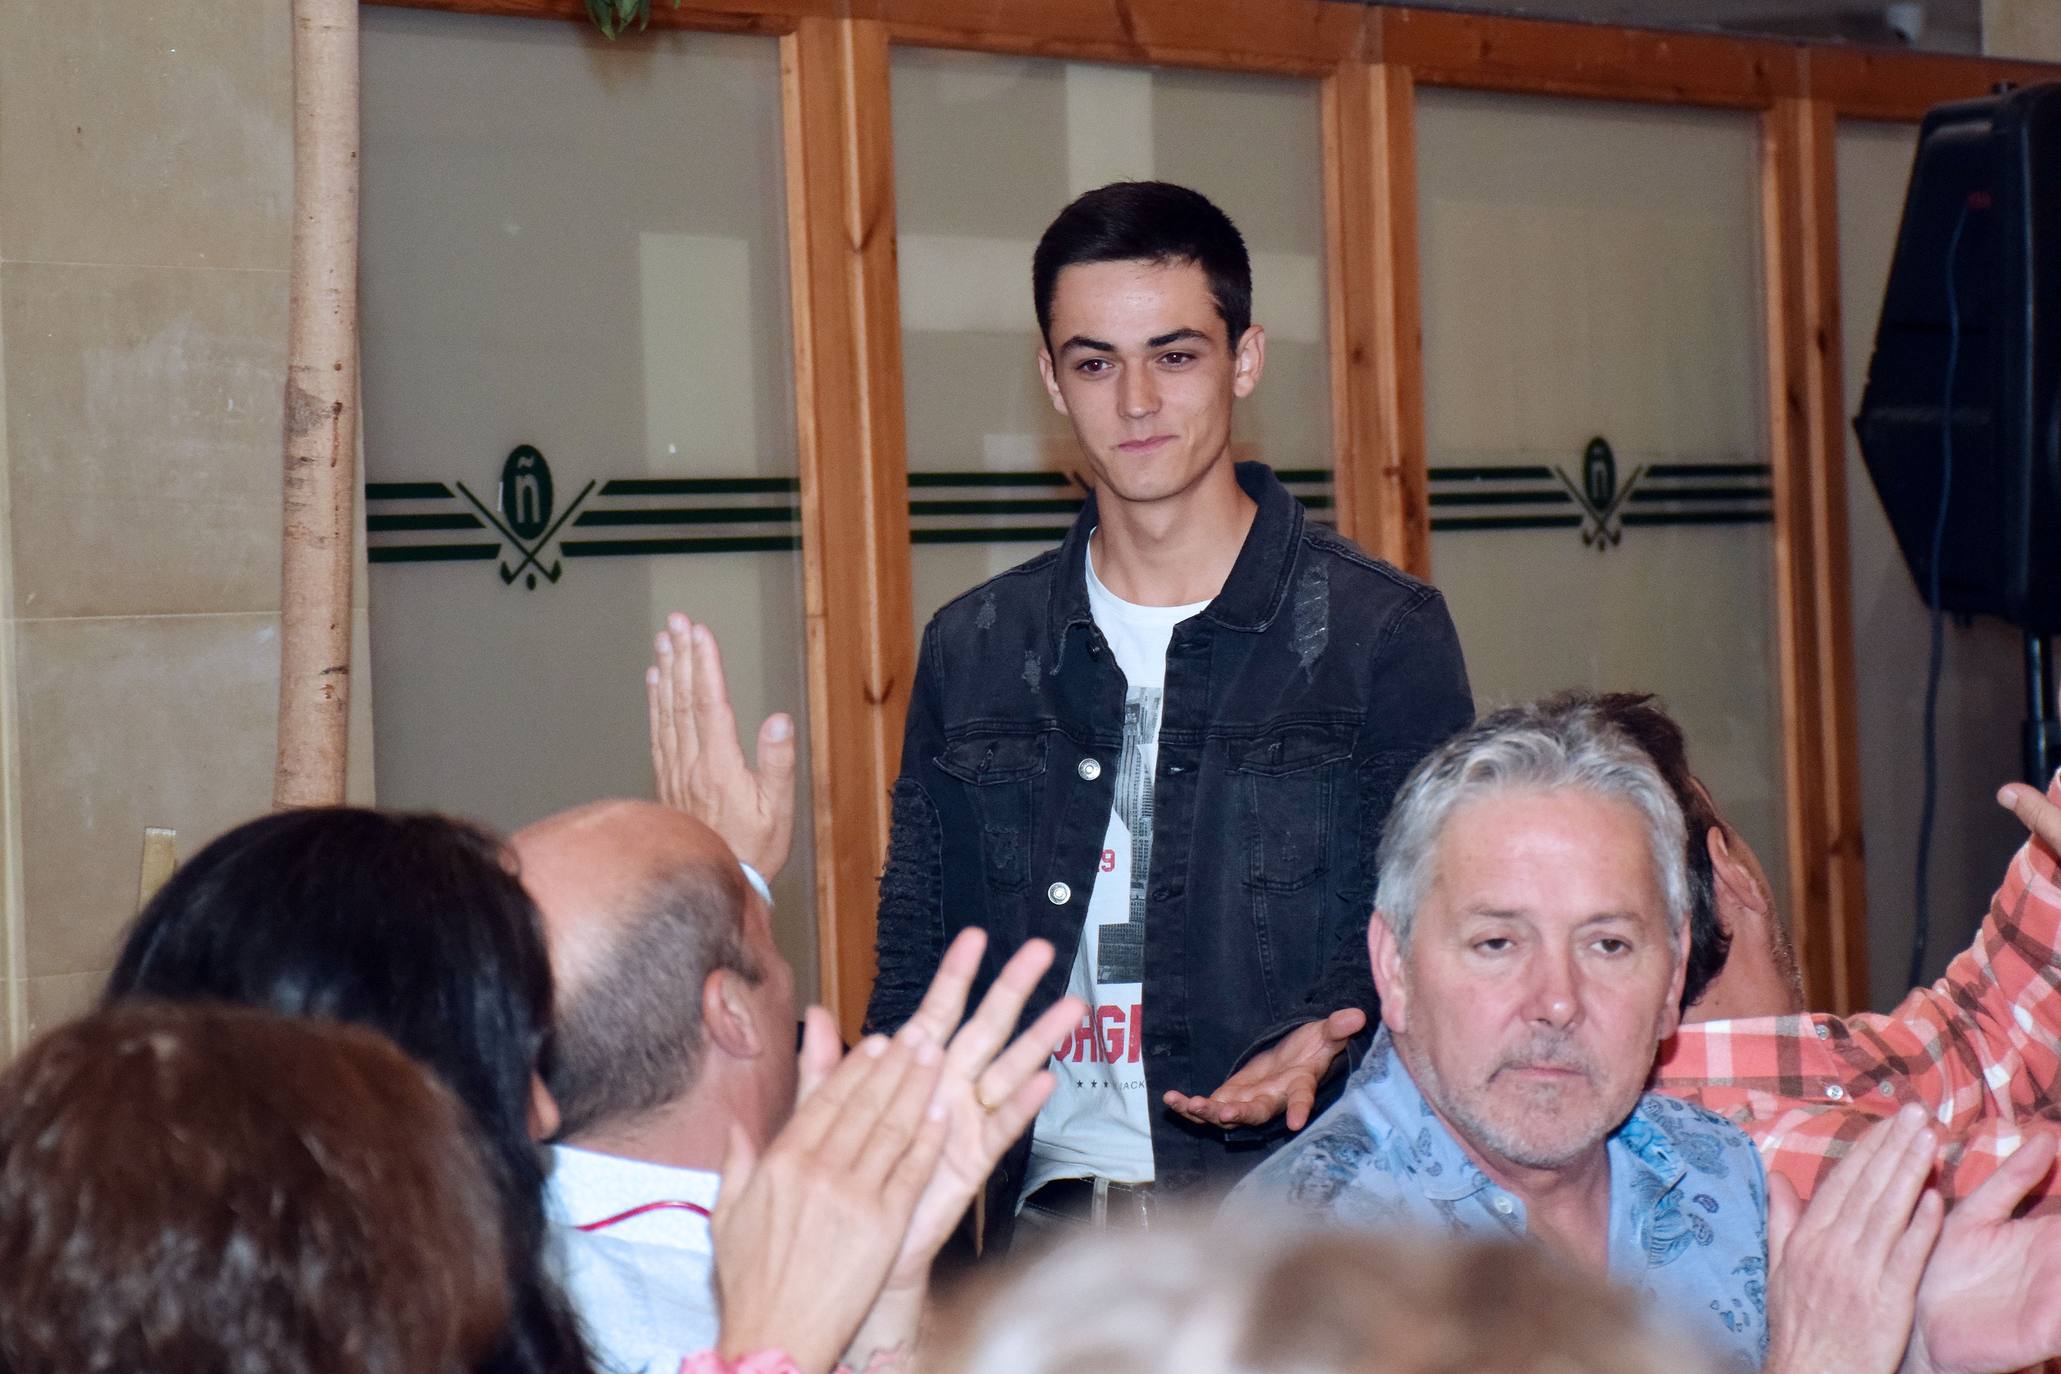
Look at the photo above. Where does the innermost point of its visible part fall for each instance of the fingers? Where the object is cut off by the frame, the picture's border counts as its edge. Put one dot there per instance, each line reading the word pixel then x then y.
pixel 713 721
pixel 989 1027
pixel 1344 1024
pixel 915 1166
pixel 774 761
pixel 1898 1180
pixel 820 1051
pixel 1302 1099
pixel 1906 1263
pixel 1784 1208
pixel 676 664
pixel 819 1114
pixel 2034 811
pixel 875 1149
pixel 1999 1194
pixel 937 1016
pixel 658 727
pixel 1014 1115
pixel 1026 1056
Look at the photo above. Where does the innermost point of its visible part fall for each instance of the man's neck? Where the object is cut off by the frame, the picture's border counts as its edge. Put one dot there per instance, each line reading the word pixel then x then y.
pixel 1567 1210
pixel 682 1135
pixel 1178 551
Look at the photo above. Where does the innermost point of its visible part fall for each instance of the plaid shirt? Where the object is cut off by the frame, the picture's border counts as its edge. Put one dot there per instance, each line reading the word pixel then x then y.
pixel 1980 1049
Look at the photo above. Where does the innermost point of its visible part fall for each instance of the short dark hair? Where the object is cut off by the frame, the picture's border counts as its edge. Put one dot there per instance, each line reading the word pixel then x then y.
pixel 1640 715
pixel 215 1188
pixel 1147 221
pixel 415 926
pixel 629 1036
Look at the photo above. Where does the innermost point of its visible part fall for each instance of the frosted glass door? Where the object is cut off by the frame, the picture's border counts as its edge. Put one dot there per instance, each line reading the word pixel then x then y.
pixel 579 404
pixel 1594 370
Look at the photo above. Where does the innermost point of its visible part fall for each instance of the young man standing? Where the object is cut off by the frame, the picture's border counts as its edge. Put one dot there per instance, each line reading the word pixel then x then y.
pixel 1167 746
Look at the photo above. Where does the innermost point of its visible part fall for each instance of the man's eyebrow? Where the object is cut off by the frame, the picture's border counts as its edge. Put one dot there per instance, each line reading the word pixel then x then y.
pixel 1083 341
pixel 1162 340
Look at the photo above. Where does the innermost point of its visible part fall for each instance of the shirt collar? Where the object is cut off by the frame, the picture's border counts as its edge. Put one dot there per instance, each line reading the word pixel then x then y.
pixel 1251 596
pixel 587 1186
pixel 1430 1156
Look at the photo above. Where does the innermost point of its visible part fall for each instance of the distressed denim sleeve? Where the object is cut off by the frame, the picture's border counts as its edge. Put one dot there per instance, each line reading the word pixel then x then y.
pixel 1417 699
pixel 909 937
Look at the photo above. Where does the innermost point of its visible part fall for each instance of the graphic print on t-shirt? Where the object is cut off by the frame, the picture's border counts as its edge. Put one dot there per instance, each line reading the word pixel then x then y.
pixel 1120 947
pixel 1097 1123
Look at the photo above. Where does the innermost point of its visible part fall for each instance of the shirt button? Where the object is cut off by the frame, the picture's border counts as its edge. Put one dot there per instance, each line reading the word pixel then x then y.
pixel 1089 769
pixel 1059 894
pixel 1834 1091
pixel 1885 1089
pixel 1503 1205
pixel 1824 1032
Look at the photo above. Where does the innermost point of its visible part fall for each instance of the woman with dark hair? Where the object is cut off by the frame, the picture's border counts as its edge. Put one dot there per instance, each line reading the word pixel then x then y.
pixel 415 926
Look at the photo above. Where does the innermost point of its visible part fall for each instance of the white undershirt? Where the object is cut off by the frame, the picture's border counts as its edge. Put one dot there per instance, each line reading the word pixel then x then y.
pixel 1097 1122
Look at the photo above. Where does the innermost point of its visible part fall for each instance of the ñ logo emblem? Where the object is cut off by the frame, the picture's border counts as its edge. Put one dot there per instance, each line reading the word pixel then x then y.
pixel 1599 495
pixel 524 496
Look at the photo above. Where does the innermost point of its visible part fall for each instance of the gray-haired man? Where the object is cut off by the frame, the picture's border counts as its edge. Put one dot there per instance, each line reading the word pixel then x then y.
pixel 1529 950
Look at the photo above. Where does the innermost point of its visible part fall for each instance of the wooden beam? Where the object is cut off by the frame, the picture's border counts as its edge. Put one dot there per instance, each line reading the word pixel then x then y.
pixel 1297 37
pixel 721 16
pixel 854 472
pixel 1377 344
pixel 1883 83
pixel 1828 894
pixel 1540 57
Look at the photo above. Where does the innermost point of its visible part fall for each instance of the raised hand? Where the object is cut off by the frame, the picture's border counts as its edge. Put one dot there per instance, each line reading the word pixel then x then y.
pixel 1843 1273
pixel 1991 1298
pixel 805 1233
pixel 696 759
pixel 1281 1078
pixel 990 1093
pixel 2038 815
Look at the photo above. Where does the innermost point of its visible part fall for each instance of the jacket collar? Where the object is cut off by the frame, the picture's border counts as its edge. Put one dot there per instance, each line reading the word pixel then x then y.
pixel 1251 596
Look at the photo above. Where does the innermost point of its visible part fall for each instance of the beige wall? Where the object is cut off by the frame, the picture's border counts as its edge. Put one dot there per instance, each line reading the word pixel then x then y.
pixel 145 190
pixel 2022 28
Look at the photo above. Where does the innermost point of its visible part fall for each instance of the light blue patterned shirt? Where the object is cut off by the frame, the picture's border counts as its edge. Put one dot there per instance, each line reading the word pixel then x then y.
pixel 1688 1198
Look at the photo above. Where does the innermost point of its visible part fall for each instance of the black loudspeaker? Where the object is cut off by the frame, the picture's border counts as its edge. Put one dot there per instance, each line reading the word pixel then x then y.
pixel 1974 304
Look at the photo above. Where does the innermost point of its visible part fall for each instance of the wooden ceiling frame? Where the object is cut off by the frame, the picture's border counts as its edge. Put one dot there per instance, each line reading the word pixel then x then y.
pixel 1369 60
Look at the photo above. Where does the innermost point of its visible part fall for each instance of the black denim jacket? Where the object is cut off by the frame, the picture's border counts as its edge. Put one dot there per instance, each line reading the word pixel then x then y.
pixel 1295 703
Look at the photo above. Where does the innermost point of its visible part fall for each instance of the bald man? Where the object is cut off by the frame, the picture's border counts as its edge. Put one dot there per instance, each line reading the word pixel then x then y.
pixel 675 1022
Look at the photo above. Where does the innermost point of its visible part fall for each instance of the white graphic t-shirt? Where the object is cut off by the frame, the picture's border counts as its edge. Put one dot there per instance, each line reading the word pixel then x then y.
pixel 1096 1123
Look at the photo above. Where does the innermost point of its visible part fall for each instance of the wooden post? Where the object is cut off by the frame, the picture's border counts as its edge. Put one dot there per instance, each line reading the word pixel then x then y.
pixel 1828 885
pixel 321 411
pixel 1377 342
pixel 854 473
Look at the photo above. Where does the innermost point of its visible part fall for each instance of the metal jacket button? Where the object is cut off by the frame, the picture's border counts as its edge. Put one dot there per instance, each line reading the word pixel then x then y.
pixel 1089 769
pixel 1059 894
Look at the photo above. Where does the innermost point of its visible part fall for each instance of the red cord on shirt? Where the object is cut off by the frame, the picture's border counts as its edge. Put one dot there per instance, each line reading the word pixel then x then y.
pixel 660 1206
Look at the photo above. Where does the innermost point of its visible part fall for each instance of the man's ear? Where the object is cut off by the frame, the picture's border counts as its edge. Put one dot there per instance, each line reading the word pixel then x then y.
pixel 1671 1013
pixel 1249 359
pixel 544 1117
pixel 1386 956
pixel 1735 882
pixel 726 1014
pixel 1051 379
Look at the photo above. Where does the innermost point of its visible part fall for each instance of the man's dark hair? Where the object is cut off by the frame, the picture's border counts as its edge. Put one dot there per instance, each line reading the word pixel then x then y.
pixel 629 1036
pixel 415 926
pixel 1147 221
pixel 216 1188
pixel 1639 715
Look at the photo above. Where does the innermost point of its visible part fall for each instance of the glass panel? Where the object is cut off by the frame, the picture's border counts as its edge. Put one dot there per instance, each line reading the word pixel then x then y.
pixel 543 272
pixel 1592 272
pixel 987 151
pixel 1980 702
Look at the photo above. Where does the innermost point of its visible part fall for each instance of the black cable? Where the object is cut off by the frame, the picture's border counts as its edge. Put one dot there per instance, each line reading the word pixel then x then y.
pixel 1920 935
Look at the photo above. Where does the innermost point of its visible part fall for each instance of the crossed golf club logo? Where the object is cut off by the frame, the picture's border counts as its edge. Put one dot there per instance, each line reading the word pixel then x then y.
pixel 524 497
pixel 1599 495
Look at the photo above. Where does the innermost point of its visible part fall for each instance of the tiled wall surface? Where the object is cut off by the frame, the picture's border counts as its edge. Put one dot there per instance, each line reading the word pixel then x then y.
pixel 145 194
